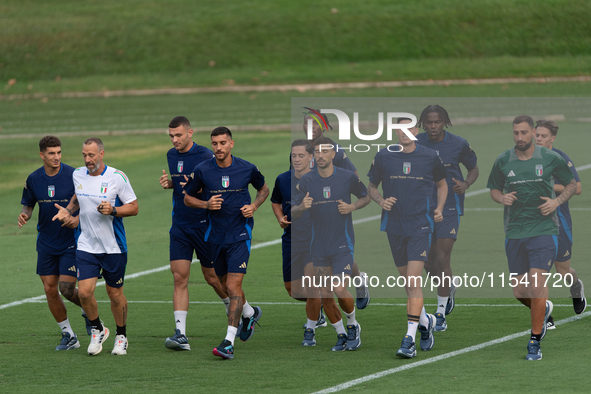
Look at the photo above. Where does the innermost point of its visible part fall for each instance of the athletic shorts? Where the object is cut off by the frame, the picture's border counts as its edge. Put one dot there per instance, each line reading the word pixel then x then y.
pixel 57 264
pixel 405 249
pixel 341 263
pixel 231 257
pixel 565 245
pixel 449 227
pixel 294 263
pixel 109 266
pixel 183 241
pixel 527 253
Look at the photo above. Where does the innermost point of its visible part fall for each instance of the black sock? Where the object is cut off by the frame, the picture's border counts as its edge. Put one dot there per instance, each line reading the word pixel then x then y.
pixel 96 324
pixel 122 331
pixel 536 337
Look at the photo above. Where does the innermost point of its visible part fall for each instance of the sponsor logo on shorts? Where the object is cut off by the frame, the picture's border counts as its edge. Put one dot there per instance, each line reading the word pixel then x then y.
pixel 72 268
pixel 424 254
pixel 243 265
pixel 120 281
pixel 453 231
pixel 567 254
pixel 51 190
pixel 347 267
pixel 77 273
pixel 549 263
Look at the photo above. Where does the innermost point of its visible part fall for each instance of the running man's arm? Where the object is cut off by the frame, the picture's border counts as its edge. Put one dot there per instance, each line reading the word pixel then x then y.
pixel 64 215
pixel 262 194
pixel 441 197
pixel 374 194
pixel 125 210
pixel 25 215
pixel 471 177
pixel 281 218
pixel 552 203
pixel 559 189
pixel 165 182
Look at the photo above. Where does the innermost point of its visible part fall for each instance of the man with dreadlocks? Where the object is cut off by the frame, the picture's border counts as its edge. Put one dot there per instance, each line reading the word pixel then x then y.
pixel 452 150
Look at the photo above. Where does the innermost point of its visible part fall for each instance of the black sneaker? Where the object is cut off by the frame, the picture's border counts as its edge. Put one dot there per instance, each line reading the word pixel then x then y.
pixel 248 324
pixel 550 323
pixel 225 350
pixel 577 292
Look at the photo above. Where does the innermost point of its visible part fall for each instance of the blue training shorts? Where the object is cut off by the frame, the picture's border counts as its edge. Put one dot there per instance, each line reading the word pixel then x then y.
pixel 534 252
pixel 57 264
pixel 405 249
pixel 109 266
pixel 183 241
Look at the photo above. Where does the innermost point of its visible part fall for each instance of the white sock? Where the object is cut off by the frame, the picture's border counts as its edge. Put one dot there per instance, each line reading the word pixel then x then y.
pixel 423 319
pixel 247 310
pixel 441 304
pixel 180 319
pixel 231 334
pixel 338 326
pixel 351 318
pixel 65 327
pixel 412 329
pixel 311 324
pixel 226 302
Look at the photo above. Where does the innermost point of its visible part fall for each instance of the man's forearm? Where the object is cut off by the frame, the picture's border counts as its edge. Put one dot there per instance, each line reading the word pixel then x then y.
pixel 261 196
pixel 569 191
pixel 362 202
pixel 374 194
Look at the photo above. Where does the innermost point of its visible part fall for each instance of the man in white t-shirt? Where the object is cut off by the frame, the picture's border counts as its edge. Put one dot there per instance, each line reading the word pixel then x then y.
pixel 104 196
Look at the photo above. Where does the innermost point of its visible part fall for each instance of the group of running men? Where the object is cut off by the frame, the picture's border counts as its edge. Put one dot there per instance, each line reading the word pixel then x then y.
pixel 422 200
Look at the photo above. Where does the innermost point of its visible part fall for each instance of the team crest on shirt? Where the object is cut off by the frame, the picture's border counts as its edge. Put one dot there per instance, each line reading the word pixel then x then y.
pixel 539 169
pixel 312 164
pixel 51 190
pixel 406 167
pixel 225 182
pixel 179 166
pixel 104 186
pixel 326 191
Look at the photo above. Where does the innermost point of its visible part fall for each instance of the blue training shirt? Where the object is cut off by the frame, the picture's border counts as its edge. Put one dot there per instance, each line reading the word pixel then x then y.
pixel 227 225
pixel 299 233
pixel 46 191
pixel 331 232
pixel 452 150
pixel 180 164
pixel 563 210
pixel 409 178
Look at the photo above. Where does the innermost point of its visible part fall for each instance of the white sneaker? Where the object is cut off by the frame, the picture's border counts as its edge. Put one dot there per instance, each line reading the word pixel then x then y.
pixel 120 347
pixel 97 338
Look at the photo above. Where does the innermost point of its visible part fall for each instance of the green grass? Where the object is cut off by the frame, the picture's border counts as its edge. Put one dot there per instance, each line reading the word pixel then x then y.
pixel 273 359
pixel 147 44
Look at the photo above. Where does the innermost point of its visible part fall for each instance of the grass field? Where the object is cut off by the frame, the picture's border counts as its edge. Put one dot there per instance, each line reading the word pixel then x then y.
pixel 109 45
pixel 273 359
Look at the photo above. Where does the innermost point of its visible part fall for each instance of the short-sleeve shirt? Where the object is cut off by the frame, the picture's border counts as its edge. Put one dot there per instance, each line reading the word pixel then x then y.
pixel 564 210
pixel 453 151
pixel 530 179
pixel 226 225
pixel 180 164
pixel 332 233
pixel 409 178
pixel 102 233
pixel 46 191
pixel 299 233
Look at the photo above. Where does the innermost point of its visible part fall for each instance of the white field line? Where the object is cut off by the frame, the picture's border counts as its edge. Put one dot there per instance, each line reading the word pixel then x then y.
pixel 296 87
pixel 303 304
pixel 445 356
pixel 265 244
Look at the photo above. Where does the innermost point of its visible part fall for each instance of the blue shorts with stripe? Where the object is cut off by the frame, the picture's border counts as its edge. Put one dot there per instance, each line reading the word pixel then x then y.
pixel 449 227
pixel 565 244
pixel 230 257
pixel 183 241
pixel 57 264
pixel 109 266
pixel 405 249
pixel 341 263
pixel 534 252
pixel 294 262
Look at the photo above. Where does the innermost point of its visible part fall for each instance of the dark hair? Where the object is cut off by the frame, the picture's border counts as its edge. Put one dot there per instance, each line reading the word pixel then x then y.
pixel 316 112
pixel 434 108
pixel 325 141
pixel 221 130
pixel 549 124
pixel 178 121
pixel 49 141
pixel 402 118
pixel 97 141
pixel 305 144
pixel 524 118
